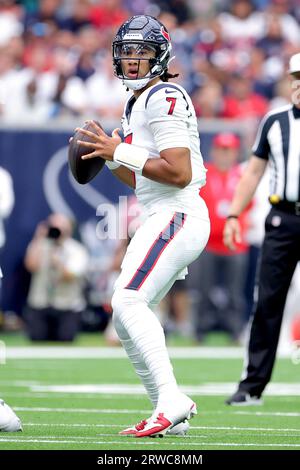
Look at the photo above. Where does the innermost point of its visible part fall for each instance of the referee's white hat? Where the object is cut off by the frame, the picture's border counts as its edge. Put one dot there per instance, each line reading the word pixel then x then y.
pixel 294 65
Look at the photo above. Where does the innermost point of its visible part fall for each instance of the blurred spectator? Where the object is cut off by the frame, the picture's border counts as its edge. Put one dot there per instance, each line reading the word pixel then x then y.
pixel 263 73
pixel 10 22
pixel 108 14
pixel 241 102
pixel 273 40
pixel 208 100
pixel 105 94
pixel 289 26
pixel 222 281
pixel 78 17
pixel 211 42
pixel 179 8
pixel 242 25
pixel 89 55
pixel 36 94
pixel 41 21
pixel 282 95
pixel 58 264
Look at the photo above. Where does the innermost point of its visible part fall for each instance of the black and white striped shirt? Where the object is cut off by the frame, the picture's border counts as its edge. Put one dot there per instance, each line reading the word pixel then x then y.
pixel 278 140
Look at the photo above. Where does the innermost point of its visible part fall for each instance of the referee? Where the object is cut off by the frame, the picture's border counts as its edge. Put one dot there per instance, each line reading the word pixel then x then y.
pixel 277 142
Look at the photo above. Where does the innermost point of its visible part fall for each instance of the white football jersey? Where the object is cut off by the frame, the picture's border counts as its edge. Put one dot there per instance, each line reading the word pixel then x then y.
pixel 163 117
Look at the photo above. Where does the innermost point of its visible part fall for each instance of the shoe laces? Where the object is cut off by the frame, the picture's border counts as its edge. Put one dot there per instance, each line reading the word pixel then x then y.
pixel 140 426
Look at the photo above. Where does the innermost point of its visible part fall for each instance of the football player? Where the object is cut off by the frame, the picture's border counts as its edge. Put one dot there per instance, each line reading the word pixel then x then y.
pixel 160 158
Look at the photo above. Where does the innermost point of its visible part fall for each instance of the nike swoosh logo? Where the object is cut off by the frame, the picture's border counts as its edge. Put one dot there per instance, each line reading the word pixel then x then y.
pixel 170 91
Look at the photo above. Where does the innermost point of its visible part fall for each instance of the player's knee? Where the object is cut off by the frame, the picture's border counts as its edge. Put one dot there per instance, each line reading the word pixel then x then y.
pixel 123 299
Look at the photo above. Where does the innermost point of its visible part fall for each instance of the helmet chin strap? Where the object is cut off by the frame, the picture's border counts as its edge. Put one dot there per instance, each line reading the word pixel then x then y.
pixel 140 83
pixel 136 84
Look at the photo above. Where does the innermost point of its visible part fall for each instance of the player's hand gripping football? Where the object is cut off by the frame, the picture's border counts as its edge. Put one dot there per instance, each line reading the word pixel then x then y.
pixel 232 233
pixel 103 145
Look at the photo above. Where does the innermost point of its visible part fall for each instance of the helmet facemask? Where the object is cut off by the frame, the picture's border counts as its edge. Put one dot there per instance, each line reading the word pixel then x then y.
pixel 135 53
pixel 142 38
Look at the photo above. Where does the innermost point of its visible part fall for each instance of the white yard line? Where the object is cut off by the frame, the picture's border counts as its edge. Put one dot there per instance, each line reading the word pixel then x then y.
pixel 145 443
pixel 115 434
pixel 79 410
pixel 55 352
pixel 206 389
pixel 76 425
pixel 269 413
pixel 208 428
pixel 139 411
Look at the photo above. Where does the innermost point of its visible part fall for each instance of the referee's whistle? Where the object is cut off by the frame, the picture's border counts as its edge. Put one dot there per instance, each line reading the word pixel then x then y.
pixel 274 199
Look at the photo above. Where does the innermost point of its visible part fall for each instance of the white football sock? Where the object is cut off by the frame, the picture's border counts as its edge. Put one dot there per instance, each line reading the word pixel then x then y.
pixel 147 335
pixel 137 362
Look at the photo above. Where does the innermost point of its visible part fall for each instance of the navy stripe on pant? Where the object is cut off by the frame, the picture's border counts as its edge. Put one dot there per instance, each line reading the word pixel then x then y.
pixel 159 245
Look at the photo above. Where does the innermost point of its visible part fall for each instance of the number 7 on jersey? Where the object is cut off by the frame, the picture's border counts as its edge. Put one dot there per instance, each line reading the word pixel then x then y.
pixel 172 105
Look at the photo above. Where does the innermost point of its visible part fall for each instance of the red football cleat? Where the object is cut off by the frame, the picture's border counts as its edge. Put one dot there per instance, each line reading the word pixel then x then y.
pixel 155 427
pixel 167 416
pixel 133 430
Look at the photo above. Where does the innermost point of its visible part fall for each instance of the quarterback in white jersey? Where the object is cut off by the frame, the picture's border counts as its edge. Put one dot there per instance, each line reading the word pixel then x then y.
pixel 162 118
pixel 160 158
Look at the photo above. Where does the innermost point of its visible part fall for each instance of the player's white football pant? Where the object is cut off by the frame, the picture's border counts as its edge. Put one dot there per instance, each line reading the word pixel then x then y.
pixel 9 422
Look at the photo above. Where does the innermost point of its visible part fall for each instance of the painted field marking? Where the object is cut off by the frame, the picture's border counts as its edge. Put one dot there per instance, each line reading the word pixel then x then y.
pixel 143 443
pixel 210 388
pixel 127 411
pixel 79 410
pixel 215 428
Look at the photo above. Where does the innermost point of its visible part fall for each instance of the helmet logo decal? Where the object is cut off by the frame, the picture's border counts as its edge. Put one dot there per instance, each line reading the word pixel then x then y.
pixel 165 34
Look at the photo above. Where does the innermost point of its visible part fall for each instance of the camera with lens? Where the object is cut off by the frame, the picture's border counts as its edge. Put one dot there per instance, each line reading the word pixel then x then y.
pixel 53 233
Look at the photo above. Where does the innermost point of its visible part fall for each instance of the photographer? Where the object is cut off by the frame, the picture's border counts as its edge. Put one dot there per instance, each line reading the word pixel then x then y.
pixel 58 264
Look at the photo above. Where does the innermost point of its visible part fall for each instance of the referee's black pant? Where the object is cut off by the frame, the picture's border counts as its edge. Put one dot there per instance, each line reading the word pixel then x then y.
pixel 279 257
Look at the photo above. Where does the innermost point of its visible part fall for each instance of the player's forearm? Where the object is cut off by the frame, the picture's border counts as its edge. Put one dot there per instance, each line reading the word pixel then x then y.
pixel 247 186
pixel 125 175
pixel 158 169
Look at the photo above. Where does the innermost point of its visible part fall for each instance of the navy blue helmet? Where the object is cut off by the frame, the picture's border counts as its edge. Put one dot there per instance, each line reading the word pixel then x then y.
pixel 140 32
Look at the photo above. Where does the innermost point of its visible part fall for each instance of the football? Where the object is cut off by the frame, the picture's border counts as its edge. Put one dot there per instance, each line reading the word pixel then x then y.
pixel 9 422
pixel 83 170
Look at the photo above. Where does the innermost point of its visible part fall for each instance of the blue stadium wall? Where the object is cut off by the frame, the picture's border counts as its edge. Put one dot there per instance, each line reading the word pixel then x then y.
pixel 37 162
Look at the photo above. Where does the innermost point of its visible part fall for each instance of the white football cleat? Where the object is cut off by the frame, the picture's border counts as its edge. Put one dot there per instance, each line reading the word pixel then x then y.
pixel 180 429
pixel 168 415
pixel 9 422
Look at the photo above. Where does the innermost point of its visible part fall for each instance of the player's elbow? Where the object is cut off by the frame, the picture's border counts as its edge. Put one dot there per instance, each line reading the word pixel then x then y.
pixel 183 179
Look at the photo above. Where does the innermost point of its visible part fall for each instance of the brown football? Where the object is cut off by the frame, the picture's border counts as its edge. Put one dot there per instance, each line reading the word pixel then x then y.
pixel 83 170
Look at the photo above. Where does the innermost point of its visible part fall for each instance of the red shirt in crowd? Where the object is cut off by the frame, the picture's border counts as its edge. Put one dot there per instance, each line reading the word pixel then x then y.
pixel 254 106
pixel 218 193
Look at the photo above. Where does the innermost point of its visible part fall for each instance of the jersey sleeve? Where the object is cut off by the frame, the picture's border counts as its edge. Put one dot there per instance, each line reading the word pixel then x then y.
pixel 261 147
pixel 167 113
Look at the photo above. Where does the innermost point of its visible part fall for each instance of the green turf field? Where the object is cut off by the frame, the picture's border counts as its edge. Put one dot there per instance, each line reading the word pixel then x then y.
pixel 82 403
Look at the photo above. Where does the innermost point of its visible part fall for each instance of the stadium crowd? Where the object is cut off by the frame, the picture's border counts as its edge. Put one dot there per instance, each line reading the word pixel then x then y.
pixel 55 55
